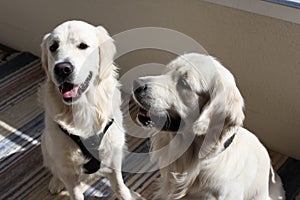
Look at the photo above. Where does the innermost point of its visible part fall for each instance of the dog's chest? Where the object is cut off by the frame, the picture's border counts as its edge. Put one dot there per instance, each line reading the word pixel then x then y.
pixel 89 147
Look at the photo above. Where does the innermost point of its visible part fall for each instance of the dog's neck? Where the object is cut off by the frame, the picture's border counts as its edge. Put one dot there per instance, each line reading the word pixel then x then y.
pixel 190 147
pixel 87 116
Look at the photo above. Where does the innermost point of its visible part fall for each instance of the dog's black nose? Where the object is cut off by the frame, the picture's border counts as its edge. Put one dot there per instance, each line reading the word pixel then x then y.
pixel 139 85
pixel 63 69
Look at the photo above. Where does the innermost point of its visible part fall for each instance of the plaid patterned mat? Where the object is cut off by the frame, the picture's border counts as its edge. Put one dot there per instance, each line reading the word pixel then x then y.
pixel 22 175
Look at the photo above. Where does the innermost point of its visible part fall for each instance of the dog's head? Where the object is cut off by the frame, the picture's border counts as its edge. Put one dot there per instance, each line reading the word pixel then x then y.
pixel 194 90
pixel 74 55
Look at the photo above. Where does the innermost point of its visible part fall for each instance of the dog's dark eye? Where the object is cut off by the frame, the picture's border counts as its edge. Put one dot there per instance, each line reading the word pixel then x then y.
pixel 83 46
pixel 54 47
pixel 183 83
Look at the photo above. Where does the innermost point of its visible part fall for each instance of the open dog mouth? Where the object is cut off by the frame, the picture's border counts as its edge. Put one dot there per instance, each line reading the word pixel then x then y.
pixel 150 119
pixel 71 92
pixel 144 118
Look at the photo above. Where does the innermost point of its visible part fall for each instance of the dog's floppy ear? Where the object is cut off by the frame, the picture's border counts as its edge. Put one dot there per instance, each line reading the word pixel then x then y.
pixel 44 53
pixel 107 50
pixel 221 116
pixel 224 108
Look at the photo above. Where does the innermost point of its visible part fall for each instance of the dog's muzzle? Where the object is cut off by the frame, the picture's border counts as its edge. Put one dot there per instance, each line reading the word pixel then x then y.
pixel 64 75
pixel 63 71
pixel 147 117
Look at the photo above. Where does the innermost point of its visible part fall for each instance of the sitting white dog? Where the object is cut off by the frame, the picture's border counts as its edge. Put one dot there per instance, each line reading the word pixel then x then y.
pixel 84 136
pixel 202 148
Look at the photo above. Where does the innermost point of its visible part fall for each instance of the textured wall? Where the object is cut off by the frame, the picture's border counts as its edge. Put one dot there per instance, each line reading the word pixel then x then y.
pixel 262 52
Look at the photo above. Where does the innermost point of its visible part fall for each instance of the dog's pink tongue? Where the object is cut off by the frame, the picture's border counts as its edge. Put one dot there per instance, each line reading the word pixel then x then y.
pixel 68 92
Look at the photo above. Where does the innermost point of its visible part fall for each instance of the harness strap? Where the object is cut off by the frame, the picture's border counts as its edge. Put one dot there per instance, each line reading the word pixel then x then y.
pixel 89 147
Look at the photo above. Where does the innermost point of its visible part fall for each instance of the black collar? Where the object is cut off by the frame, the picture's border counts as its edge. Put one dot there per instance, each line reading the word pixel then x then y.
pixel 228 142
pixel 89 147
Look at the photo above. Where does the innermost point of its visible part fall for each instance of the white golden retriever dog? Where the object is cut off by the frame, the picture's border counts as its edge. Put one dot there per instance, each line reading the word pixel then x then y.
pixel 202 148
pixel 83 137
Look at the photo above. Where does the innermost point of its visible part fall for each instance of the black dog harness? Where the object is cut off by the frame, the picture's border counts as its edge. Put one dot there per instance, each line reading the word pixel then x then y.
pixel 89 147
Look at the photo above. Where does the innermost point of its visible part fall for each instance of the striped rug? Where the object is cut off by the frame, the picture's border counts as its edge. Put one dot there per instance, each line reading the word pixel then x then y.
pixel 22 175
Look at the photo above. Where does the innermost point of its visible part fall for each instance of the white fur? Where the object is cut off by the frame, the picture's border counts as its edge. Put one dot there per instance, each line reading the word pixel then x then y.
pixel 204 170
pixel 88 115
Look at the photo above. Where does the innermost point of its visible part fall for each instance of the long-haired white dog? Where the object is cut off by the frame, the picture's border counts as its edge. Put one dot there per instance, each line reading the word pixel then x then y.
pixel 202 148
pixel 84 135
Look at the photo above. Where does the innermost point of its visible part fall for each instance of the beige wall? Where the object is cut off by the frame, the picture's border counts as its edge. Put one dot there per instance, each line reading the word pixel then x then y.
pixel 263 53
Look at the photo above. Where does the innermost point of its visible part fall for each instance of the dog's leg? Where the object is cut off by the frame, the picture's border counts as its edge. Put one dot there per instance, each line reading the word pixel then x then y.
pixel 114 174
pixel 72 184
pixel 275 186
pixel 55 185
pixel 118 186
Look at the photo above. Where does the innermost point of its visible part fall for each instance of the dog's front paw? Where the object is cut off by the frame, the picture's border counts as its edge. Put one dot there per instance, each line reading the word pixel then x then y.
pixel 136 196
pixel 55 185
pixel 200 127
